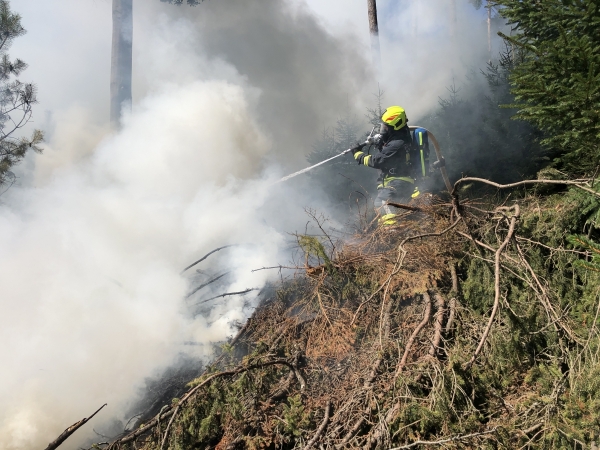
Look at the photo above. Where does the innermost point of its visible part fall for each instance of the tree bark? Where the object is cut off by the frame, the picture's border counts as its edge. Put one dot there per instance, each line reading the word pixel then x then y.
pixel 374 29
pixel 453 19
pixel 489 29
pixel 121 60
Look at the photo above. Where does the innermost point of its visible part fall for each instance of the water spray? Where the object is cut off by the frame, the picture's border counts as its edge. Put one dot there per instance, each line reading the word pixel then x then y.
pixel 369 141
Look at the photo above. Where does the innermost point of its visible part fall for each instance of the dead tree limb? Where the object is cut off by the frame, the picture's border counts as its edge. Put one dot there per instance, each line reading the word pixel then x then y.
pixel 545 298
pixel 440 304
pixel 407 207
pixel 451 314
pixel 276 267
pixel 577 184
pixel 486 332
pixel 69 431
pixel 228 294
pixel 452 302
pixel 413 337
pixel 321 428
pixel 445 441
pixel 217 278
pixel 367 386
pixel 207 255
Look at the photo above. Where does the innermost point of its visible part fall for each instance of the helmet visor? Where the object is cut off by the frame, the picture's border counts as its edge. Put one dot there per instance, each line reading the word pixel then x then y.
pixel 384 128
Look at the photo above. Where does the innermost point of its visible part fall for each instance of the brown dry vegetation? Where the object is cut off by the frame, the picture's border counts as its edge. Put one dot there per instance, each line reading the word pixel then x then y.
pixel 449 330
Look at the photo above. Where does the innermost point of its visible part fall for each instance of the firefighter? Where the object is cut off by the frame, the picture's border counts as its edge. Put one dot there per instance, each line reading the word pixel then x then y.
pixel 394 159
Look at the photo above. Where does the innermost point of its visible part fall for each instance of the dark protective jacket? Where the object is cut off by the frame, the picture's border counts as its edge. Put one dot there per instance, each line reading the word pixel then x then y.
pixel 394 159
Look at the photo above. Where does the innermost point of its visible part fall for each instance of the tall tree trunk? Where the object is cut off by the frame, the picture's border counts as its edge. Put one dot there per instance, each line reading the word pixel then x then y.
pixel 489 26
pixel 453 20
pixel 121 60
pixel 374 28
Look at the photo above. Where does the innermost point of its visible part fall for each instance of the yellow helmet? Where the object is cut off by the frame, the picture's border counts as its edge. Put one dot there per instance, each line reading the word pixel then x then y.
pixel 395 117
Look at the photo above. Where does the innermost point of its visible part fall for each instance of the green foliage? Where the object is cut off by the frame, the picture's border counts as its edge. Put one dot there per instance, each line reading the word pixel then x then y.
pixel 295 418
pixel 557 84
pixel 312 247
pixel 16 99
pixel 589 245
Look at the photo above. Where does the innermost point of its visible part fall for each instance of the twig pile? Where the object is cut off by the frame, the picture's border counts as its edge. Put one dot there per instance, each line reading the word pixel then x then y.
pixel 377 347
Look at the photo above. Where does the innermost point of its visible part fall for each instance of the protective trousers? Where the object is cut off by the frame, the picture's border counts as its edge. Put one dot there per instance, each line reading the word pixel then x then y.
pixel 397 191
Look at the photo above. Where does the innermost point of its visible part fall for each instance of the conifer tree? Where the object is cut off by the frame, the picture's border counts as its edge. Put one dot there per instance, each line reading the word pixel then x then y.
pixel 591 247
pixel 16 98
pixel 557 85
pixel 476 134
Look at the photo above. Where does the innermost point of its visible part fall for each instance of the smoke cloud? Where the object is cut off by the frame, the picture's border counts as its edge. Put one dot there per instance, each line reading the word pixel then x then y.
pixel 228 96
pixel 92 296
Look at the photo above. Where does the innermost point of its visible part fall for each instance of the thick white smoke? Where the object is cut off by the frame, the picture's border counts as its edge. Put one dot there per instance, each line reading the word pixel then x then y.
pixel 90 263
pixel 428 47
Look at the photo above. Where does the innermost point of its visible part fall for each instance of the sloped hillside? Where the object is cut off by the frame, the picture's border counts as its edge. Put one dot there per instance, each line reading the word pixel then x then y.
pixel 472 324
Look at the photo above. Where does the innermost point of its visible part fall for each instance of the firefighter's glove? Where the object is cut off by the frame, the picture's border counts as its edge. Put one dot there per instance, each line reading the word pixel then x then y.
pixel 439 164
pixel 357 149
pixel 357 152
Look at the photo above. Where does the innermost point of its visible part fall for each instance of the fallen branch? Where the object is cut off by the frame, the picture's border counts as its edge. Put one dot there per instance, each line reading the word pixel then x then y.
pixel 411 340
pixel 69 431
pixel 321 428
pixel 545 298
pixel 440 304
pixel 401 206
pixel 207 255
pixel 276 267
pixel 367 386
pixel 445 441
pixel 486 332
pixel 577 184
pixel 228 294
pixel 452 302
pixel 206 284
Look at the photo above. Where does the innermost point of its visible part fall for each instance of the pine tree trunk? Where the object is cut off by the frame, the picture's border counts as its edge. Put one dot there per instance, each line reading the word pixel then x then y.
pixel 374 28
pixel 489 27
pixel 121 60
pixel 453 19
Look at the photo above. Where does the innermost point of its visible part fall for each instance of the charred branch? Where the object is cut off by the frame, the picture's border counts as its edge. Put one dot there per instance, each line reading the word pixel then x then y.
pixel 72 429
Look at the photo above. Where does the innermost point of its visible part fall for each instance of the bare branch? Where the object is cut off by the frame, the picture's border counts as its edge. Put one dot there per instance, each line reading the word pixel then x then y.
pixel 440 304
pixel 206 284
pixel 72 429
pixel 411 340
pixel 445 441
pixel 207 255
pixel 407 207
pixel 228 294
pixel 509 236
pixel 577 184
pixel 321 428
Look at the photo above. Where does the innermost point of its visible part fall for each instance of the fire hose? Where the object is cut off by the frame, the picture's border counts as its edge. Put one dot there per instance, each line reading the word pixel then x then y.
pixel 440 163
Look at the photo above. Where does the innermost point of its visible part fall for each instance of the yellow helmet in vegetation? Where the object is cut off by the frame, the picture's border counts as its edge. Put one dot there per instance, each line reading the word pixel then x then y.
pixel 395 117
